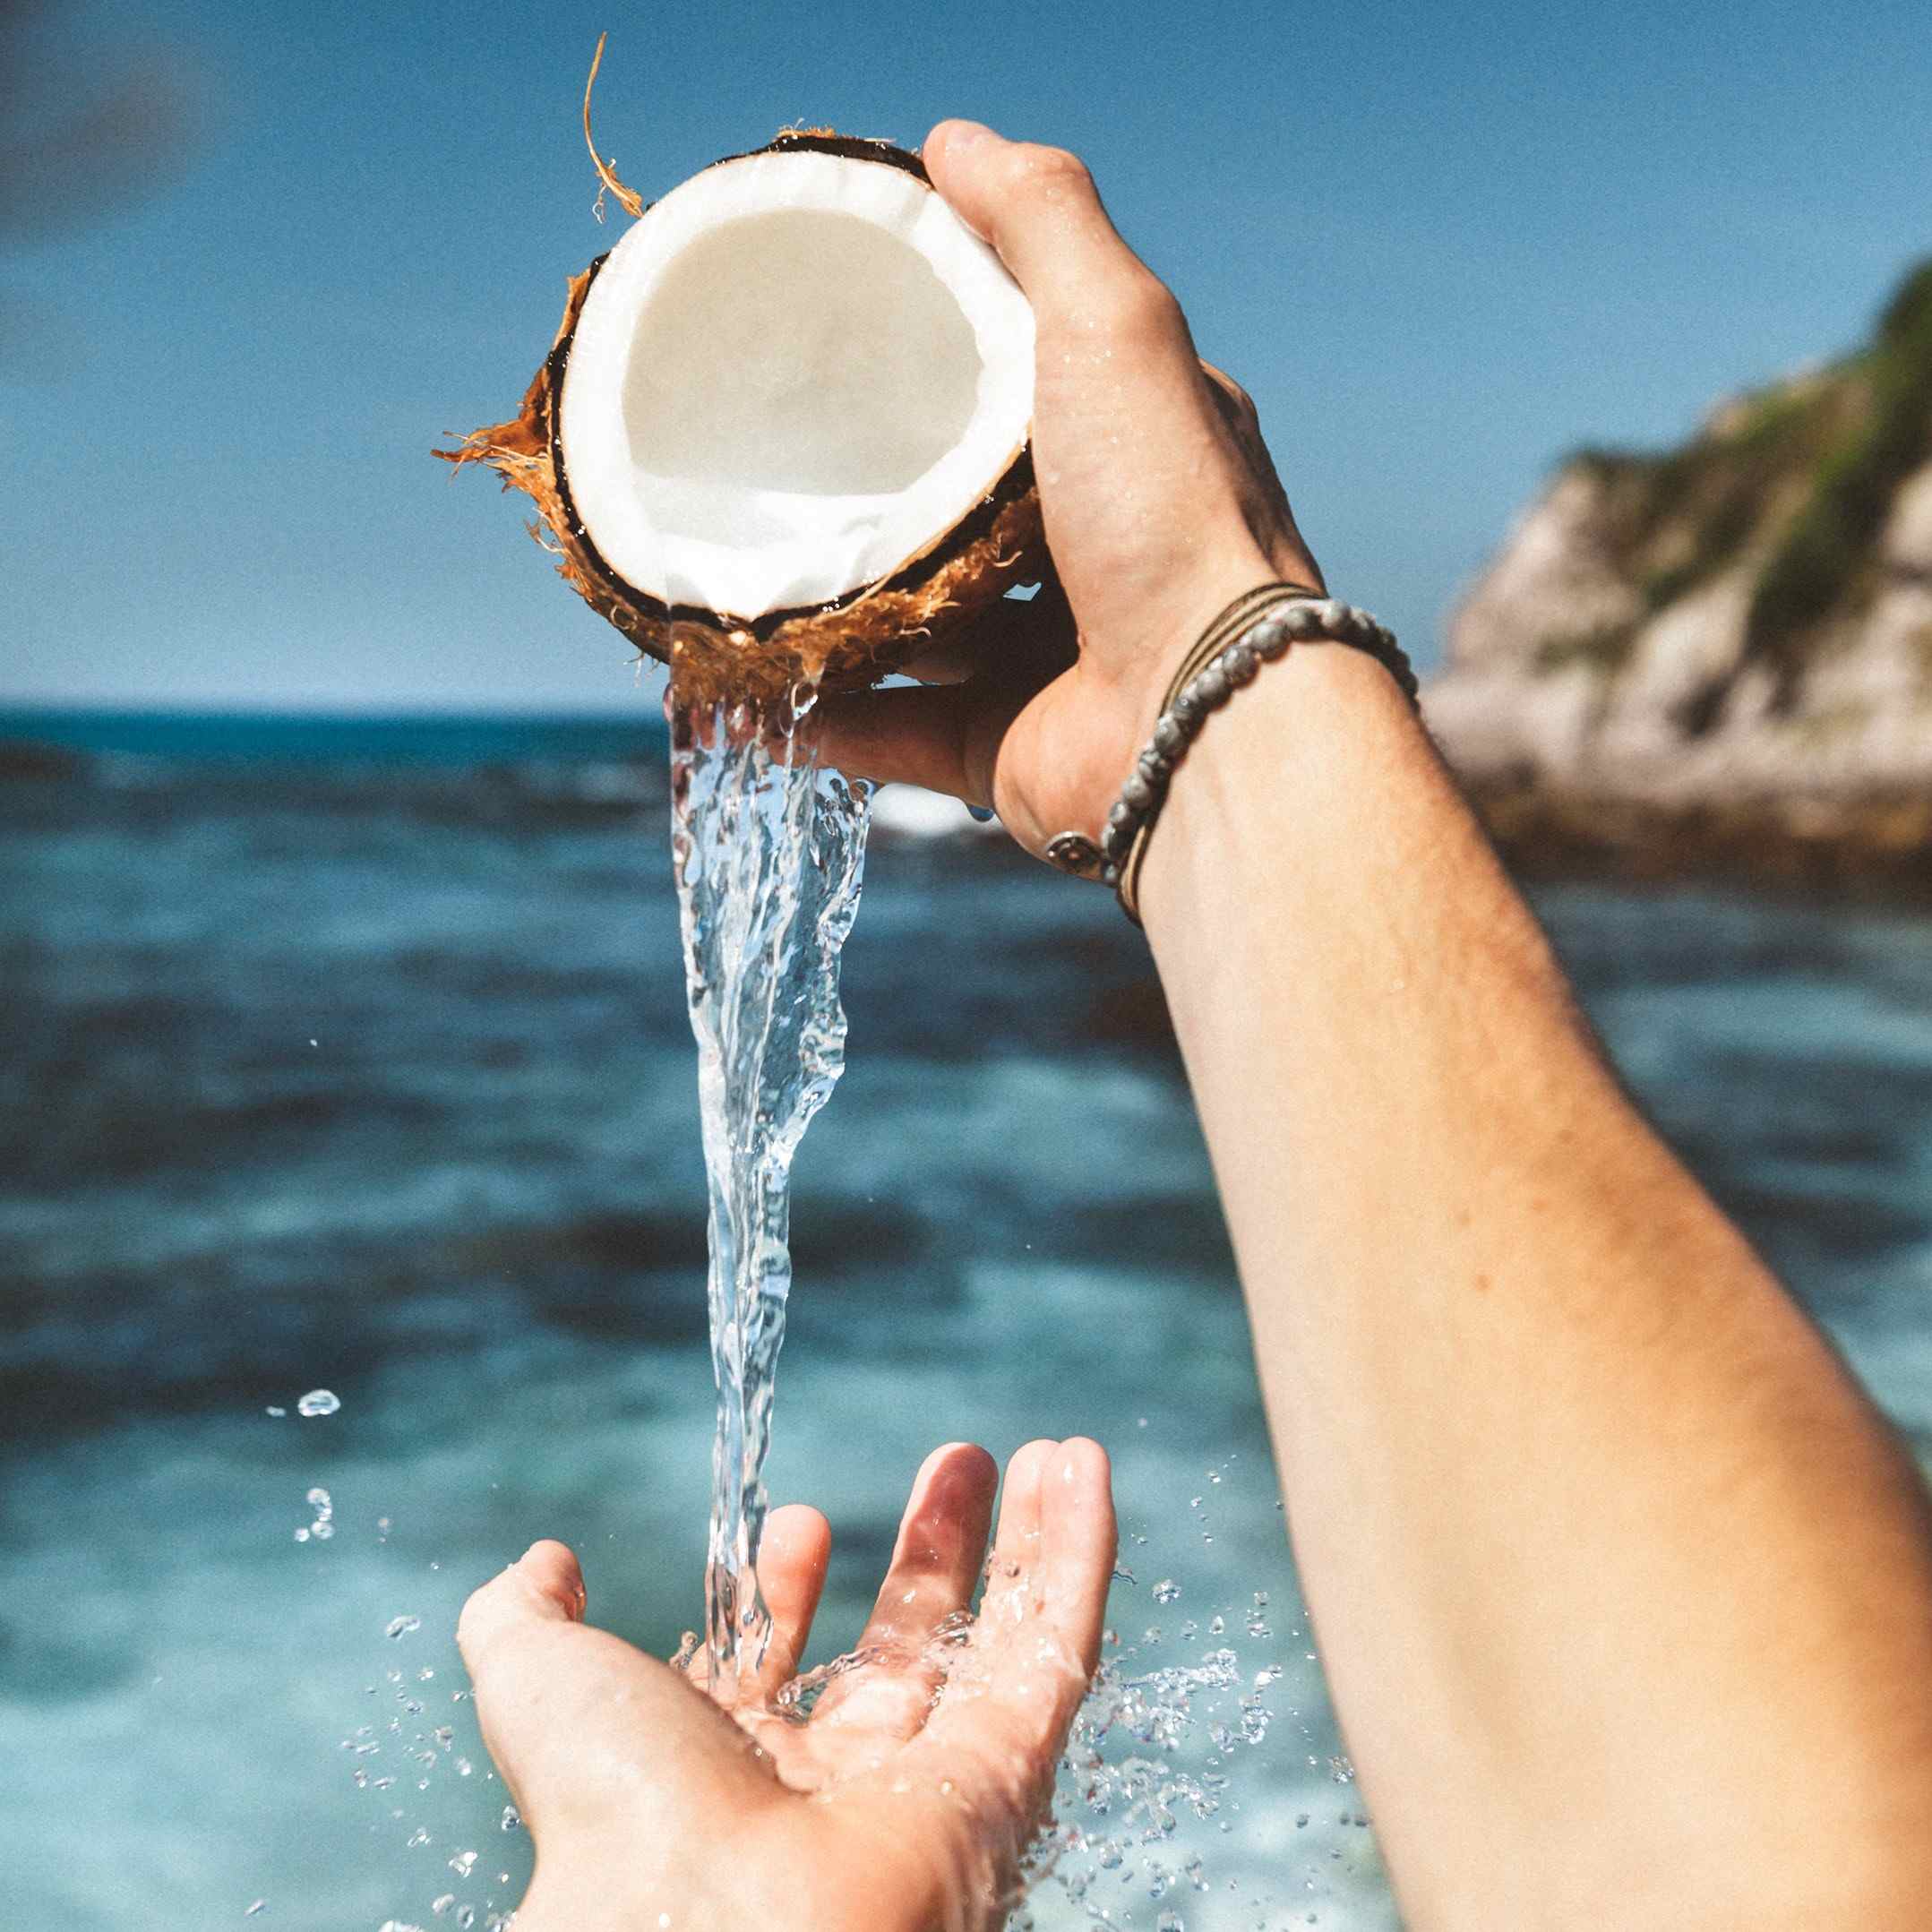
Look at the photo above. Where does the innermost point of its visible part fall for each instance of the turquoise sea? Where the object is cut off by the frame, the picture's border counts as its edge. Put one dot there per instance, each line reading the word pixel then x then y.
pixel 351 1055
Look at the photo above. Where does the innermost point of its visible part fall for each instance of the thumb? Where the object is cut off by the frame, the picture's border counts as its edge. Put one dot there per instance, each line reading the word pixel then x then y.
pixel 508 1634
pixel 1040 209
pixel 544 1585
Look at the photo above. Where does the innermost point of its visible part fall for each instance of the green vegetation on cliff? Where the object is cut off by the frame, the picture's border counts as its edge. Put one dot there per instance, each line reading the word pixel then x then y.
pixel 1794 480
pixel 1819 559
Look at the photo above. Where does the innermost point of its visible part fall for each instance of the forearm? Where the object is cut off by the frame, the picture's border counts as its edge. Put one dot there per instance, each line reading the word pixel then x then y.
pixel 1619 1581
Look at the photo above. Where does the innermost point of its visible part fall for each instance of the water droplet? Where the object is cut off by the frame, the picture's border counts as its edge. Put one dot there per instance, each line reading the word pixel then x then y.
pixel 253 1908
pixel 398 1626
pixel 463 1864
pixel 272 1410
pixel 1167 1591
pixel 440 1906
pixel 318 1402
pixel 511 1820
pixel 418 1837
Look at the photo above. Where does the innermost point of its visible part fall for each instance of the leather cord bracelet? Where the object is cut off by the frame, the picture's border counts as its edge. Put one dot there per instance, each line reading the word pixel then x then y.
pixel 1255 629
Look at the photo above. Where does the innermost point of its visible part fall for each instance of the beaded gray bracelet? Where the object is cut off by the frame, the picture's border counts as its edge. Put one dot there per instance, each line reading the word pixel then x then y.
pixel 1255 629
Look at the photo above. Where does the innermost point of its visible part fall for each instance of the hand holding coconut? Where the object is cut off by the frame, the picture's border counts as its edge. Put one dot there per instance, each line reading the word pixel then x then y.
pixel 1159 501
pixel 802 425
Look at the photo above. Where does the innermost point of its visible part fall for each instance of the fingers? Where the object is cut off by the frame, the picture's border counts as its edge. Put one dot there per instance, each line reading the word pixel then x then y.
pixel 943 737
pixel 942 1543
pixel 1053 1558
pixel 934 1568
pixel 1235 403
pixel 1038 629
pixel 1041 212
pixel 1037 1641
pixel 791 1563
pixel 543 1585
pixel 1040 209
pixel 1269 512
pixel 946 737
pixel 1078 1544
pixel 1017 1543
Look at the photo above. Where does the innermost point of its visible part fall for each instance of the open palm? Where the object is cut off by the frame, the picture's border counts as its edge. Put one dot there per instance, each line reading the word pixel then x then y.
pixel 906 1797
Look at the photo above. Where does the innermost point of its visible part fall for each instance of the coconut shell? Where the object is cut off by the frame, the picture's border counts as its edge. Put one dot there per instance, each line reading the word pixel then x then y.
pixel 844 645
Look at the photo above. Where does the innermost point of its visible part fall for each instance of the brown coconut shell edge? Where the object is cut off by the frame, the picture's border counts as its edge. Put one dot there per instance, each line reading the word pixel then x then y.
pixel 844 645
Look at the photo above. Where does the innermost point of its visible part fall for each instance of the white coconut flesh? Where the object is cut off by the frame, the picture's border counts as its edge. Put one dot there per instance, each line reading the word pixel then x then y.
pixel 796 374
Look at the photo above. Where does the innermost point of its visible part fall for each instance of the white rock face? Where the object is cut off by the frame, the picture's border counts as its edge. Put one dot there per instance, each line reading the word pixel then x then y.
pixel 1906 546
pixel 1554 580
pixel 1669 717
pixel 1502 724
pixel 1648 724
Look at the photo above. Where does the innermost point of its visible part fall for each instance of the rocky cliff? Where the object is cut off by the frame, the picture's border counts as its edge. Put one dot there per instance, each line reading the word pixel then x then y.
pixel 1719 657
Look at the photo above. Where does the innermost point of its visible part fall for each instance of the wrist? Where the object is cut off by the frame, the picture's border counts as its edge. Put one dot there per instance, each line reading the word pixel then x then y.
pixel 1274 779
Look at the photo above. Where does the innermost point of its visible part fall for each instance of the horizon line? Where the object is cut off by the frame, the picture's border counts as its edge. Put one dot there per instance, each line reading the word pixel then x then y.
pixel 405 708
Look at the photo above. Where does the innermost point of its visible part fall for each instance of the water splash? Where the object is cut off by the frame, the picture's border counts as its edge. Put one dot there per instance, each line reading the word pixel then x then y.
pixel 322 1526
pixel 769 851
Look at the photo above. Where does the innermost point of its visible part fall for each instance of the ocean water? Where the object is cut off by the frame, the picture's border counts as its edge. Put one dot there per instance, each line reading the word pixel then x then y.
pixel 352 1055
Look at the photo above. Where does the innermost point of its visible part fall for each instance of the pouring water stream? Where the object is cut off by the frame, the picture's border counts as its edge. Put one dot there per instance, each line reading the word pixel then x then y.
pixel 769 851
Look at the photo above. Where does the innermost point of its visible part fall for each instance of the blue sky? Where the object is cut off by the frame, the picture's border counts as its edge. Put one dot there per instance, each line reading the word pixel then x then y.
pixel 1442 246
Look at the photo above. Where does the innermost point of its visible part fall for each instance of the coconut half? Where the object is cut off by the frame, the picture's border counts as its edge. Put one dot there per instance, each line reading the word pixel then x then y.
pixel 782 436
